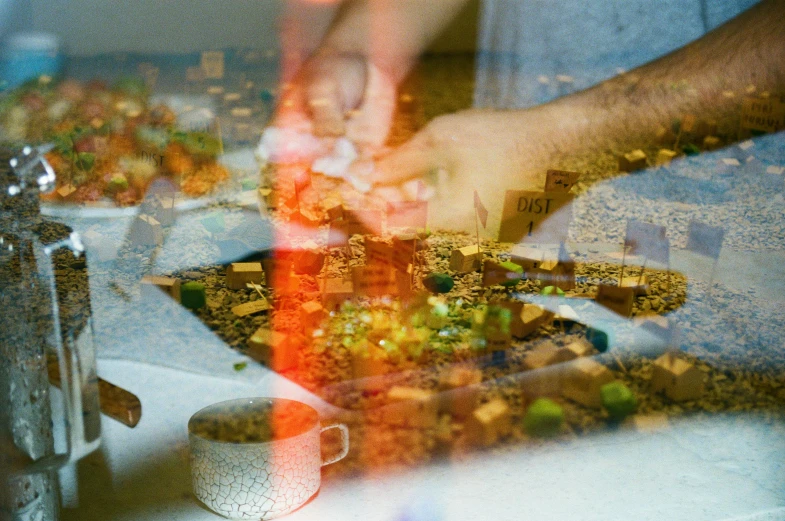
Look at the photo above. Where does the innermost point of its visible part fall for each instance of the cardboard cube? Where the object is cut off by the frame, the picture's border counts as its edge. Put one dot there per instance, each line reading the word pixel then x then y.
pixel 335 292
pixel 462 390
pixel 489 422
pixel 64 192
pixel 632 161
pixel 466 259
pixel 241 273
pixel 308 261
pixel 546 355
pixel 580 348
pixel 530 259
pixel 273 349
pixel 711 143
pixel 665 156
pixel 311 315
pixel 639 285
pixel 677 378
pixel 583 380
pixel 532 317
pixel 168 285
pixel 411 407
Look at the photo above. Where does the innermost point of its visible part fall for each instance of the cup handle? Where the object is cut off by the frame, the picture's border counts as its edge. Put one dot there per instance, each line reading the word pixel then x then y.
pixel 344 442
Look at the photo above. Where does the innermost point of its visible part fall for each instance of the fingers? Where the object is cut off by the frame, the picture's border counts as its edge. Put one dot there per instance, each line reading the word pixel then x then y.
pixel 370 124
pixel 416 158
pixel 325 105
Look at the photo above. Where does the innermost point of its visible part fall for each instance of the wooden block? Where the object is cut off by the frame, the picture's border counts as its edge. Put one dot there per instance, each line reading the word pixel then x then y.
pixel 665 156
pixel 545 356
pixel 335 212
pixel 489 422
pixel 580 348
pixel 532 317
pixel 146 231
pixel 647 423
pixel 168 285
pixel 632 161
pixel 639 285
pixel 262 344
pixel 618 300
pixel 335 292
pixel 530 259
pixel 64 192
pixel 665 136
pixel 677 378
pixel 309 260
pixel 463 390
pixel 311 315
pixel 250 308
pixel 583 380
pixel 711 143
pixel 466 259
pixel 241 273
pixel 411 407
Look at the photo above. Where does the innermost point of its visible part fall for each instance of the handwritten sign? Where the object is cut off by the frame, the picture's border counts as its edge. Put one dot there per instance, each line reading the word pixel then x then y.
pixel 524 213
pixel 374 281
pixel 213 64
pixel 249 308
pixel 377 253
pixel 618 300
pixel 560 180
pixel 403 252
pixel 763 114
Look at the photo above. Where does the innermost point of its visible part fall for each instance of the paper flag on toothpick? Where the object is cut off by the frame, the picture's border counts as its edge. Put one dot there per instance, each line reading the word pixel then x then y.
pixel 648 240
pixel 482 212
pixel 704 239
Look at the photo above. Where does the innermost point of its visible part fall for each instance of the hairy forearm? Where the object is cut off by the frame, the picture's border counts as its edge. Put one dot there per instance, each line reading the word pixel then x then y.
pixel 707 78
pixel 392 33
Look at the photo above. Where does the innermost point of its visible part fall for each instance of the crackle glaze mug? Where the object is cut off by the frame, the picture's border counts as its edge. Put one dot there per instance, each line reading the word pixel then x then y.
pixel 258 458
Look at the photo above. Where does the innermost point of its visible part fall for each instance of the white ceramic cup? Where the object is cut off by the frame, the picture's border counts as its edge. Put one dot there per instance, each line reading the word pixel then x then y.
pixel 258 458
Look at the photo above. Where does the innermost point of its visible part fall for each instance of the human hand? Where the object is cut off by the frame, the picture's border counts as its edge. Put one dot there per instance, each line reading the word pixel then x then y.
pixel 339 94
pixel 490 151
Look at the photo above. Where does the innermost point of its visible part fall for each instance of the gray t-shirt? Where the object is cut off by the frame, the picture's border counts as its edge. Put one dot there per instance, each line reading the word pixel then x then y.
pixel 531 51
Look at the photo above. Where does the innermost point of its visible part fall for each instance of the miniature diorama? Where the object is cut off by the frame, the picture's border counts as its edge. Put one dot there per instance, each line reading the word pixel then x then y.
pixel 444 298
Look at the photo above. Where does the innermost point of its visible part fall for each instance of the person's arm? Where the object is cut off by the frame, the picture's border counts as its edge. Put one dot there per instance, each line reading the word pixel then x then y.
pixel 497 150
pixel 368 50
pixel 697 79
